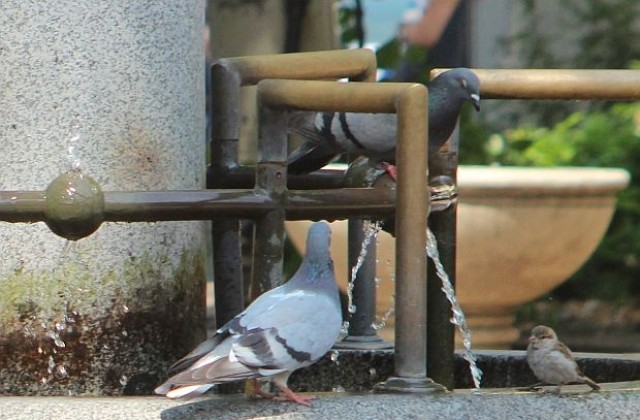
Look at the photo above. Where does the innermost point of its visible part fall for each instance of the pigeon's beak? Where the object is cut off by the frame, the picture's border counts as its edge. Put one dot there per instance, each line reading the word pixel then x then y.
pixel 475 101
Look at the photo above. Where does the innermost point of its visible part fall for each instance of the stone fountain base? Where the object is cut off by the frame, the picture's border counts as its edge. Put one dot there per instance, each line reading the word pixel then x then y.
pixel 618 400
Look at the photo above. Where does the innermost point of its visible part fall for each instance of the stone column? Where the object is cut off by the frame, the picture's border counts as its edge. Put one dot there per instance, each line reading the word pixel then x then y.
pixel 114 89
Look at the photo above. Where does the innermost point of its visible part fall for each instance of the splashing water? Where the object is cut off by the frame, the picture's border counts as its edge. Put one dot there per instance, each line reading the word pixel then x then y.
pixel 458 319
pixel 388 314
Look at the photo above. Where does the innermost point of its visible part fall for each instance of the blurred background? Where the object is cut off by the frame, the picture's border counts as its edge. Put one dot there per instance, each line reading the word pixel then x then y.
pixel 597 309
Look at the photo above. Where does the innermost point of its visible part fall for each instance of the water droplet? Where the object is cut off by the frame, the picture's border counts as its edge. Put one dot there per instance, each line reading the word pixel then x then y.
pixel 56 338
pixel 124 333
pixel 123 380
pixel 352 308
pixel 372 372
pixel 51 364
pixel 61 371
pixel 125 309
pixel 334 356
pixel 40 351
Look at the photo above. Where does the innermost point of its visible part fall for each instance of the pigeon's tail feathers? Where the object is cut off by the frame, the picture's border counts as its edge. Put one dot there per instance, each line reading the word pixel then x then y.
pixel 196 380
pixel 205 347
pixel 309 157
pixel 186 392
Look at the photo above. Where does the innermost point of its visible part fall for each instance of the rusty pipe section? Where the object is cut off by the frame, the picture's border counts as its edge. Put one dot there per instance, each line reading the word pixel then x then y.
pixel 409 101
pixel 557 84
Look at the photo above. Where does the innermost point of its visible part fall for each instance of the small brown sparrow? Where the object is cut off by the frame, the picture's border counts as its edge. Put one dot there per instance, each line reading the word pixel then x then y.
pixel 551 360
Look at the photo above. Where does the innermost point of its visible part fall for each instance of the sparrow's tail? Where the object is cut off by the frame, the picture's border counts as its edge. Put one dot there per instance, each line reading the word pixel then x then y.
pixel 590 382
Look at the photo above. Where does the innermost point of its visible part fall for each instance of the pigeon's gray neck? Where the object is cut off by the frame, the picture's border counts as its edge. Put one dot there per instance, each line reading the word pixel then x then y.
pixel 317 270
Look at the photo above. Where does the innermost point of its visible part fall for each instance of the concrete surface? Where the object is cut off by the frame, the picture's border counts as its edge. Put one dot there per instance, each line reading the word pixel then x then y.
pixel 615 401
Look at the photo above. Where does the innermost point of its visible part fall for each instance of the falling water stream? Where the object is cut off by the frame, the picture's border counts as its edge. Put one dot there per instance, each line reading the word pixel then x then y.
pixel 371 230
pixel 458 319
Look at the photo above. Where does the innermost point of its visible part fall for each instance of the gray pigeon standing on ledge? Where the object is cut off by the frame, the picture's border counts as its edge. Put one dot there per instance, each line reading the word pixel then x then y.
pixel 329 134
pixel 286 328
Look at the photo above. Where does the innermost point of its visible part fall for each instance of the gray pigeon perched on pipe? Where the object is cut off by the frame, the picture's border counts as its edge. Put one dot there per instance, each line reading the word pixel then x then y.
pixel 330 134
pixel 286 328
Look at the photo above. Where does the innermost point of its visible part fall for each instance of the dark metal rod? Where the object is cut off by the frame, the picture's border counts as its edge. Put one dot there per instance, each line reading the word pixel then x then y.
pixel 440 331
pixel 271 179
pixel 225 233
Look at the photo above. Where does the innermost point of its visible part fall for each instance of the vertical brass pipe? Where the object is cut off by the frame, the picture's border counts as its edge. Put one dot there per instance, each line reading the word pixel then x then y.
pixel 411 237
pixel 226 238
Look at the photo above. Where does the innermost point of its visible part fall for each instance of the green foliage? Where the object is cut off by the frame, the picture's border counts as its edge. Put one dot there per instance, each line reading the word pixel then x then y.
pixel 606 138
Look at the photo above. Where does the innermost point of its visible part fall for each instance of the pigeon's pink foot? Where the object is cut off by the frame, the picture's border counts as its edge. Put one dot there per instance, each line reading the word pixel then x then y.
pixel 256 389
pixel 292 396
pixel 391 170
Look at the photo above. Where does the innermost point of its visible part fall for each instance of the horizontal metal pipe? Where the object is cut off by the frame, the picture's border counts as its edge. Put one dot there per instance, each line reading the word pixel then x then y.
pixel 22 206
pixel 139 206
pixel 150 206
pixel 357 64
pixel 331 96
pixel 557 84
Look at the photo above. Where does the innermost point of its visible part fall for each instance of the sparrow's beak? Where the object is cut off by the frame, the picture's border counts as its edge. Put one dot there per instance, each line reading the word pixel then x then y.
pixel 533 339
pixel 475 101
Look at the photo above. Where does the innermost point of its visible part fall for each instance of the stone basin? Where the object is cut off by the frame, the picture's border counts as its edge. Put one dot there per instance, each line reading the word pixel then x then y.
pixel 521 232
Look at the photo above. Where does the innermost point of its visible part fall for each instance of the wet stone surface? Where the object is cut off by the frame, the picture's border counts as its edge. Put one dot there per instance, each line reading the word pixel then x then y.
pixel 125 353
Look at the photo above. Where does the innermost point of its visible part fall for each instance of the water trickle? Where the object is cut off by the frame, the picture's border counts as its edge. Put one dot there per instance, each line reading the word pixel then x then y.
pixel 370 230
pixel 70 162
pixel 382 322
pixel 458 319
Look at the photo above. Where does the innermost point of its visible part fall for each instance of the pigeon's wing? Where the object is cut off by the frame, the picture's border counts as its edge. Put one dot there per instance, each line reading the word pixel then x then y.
pixel 310 157
pixel 332 134
pixel 297 332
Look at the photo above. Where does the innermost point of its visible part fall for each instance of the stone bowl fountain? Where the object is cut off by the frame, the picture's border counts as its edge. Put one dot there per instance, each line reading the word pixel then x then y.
pixel 521 233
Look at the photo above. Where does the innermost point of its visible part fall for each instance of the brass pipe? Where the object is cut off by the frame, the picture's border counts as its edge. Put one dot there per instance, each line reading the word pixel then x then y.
pixel 332 96
pixel 359 65
pixel 557 84
pixel 412 208
pixel 409 101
